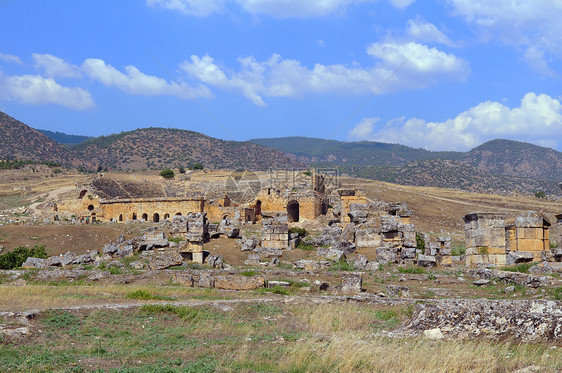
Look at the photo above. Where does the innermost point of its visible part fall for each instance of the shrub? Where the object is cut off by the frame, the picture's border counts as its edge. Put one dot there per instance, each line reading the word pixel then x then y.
pixel 301 231
pixel 197 166
pixel 249 273
pixel 167 173
pixel 181 170
pixel 556 293
pixel 540 194
pixel 420 242
pixel 521 268
pixel 16 258
pixel 412 270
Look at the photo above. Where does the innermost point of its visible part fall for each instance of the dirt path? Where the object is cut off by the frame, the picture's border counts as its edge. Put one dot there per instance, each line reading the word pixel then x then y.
pixel 51 195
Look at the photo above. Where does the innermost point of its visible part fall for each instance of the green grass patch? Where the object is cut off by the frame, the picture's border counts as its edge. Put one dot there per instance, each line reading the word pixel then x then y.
pixel 301 231
pixel 143 294
pixel 248 273
pixel 412 270
pixel 60 319
pixel 521 268
pixel 305 247
pixel 556 293
pixel 190 314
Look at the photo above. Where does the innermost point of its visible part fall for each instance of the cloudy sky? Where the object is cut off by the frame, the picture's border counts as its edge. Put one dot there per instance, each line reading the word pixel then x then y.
pixel 442 75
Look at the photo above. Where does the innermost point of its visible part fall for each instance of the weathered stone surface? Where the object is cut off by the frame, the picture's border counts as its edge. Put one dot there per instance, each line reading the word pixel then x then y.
pixel 352 282
pixel 178 225
pixel 125 251
pixel 268 252
pixel 517 257
pixel 481 282
pixel 330 254
pixel 180 277
pixel 521 320
pixel 433 334
pixel 347 247
pixel 510 277
pixel 215 261
pixel 398 291
pixel 233 282
pixel 546 267
pixel 386 255
pixel 166 259
pixel 312 265
pixel 116 264
pixel 368 237
pixel 34 263
pixel 206 281
pixel 60 260
pixel 348 233
pixel 137 265
pixel 249 244
pixel 110 248
pixel 427 261
pixel 253 260
pixel 327 237
pixel 283 284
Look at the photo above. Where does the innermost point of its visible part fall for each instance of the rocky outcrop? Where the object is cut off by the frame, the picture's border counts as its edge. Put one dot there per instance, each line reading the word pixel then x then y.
pixel 522 320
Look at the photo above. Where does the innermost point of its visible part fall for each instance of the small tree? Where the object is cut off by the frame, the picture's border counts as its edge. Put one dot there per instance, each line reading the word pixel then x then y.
pixel 197 166
pixel 540 194
pixel 167 173
pixel 420 242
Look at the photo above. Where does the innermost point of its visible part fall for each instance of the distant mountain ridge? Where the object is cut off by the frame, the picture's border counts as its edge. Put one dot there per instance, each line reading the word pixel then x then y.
pixel 500 165
pixel 148 148
pixel 63 138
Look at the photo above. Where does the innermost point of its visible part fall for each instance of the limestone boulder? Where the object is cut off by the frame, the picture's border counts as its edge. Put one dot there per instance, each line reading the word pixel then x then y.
pixel 427 261
pixel 352 282
pixel 517 257
pixel 233 282
pixel 166 259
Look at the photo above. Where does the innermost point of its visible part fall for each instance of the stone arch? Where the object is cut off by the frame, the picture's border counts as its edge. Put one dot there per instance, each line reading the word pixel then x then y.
pixel 156 217
pixel 120 217
pixel 134 217
pixel 145 216
pixel 257 208
pixel 293 211
pixel 166 216
pixel 178 213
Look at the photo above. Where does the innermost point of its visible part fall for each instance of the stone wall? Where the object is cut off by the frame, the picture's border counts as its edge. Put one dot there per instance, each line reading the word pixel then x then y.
pixel 155 209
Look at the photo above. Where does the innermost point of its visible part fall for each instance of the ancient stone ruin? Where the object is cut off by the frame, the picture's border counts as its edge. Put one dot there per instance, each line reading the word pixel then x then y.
pixel 491 239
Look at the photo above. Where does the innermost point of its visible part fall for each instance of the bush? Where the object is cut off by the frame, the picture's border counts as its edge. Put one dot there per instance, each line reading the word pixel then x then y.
pixel 181 170
pixel 197 166
pixel 301 231
pixel 167 173
pixel 16 258
pixel 420 242
pixel 540 194
pixel 521 268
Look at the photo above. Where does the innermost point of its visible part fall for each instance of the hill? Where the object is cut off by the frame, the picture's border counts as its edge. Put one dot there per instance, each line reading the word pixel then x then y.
pixel 158 148
pixel 63 138
pixel 441 173
pixel 19 141
pixel 514 158
pixel 366 153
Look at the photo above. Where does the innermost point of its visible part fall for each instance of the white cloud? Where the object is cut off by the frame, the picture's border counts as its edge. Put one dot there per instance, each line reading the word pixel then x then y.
pixel 538 119
pixel 274 8
pixel 37 90
pixel 133 81
pixel 10 58
pixel 278 77
pixel 521 23
pixel 426 32
pixel 200 8
pixel 55 66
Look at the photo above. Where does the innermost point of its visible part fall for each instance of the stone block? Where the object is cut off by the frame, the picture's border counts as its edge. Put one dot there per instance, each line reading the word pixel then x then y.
pixel 183 278
pixel 352 282
pixel 427 261
pixel 519 257
pixel 232 282
pixel 163 260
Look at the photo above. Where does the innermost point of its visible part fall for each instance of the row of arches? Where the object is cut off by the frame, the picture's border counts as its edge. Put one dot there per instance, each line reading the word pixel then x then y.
pixel 154 218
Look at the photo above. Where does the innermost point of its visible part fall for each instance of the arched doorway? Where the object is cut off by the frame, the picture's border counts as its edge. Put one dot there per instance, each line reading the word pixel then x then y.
pixel 156 217
pixel 93 217
pixel 293 211
pixel 134 217
pixel 145 217
pixel 257 208
pixel 120 217
pixel 166 216
pixel 90 207
pixel 178 213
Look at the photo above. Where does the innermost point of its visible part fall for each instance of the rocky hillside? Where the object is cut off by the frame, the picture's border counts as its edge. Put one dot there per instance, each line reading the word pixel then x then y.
pixel 514 158
pixel 451 174
pixel 19 141
pixel 364 153
pixel 63 138
pixel 157 148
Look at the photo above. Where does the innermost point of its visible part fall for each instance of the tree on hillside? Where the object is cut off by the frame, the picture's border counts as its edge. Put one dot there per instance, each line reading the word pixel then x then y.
pixel 167 173
pixel 197 166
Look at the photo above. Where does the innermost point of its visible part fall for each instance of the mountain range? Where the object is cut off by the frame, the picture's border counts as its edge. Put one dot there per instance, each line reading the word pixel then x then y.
pixel 497 165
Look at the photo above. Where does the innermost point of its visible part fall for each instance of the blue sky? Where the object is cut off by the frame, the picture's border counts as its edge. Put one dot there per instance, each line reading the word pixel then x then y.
pixel 442 75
